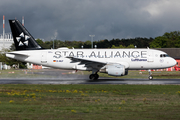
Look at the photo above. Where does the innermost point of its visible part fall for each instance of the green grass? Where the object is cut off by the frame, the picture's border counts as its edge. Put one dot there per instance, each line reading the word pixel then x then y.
pixel 21 73
pixel 79 102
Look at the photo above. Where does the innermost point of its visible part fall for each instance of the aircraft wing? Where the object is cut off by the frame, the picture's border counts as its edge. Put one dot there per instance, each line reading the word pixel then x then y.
pixel 83 60
pixel 90 62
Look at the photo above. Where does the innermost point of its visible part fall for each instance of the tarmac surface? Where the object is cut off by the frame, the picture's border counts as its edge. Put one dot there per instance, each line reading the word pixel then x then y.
pixel 87 81
pixel 61 77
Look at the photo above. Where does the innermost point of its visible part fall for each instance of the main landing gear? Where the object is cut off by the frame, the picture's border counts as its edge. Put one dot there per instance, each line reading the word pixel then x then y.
pixel 150 75
pixel 94 75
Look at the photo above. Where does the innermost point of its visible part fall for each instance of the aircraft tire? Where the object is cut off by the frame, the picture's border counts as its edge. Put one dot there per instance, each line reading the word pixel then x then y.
pixel 150 77
pixel 94 76
pixel 91 76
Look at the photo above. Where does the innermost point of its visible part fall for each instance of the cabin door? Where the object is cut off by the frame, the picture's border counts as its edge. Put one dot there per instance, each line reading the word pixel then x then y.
pixel 150 56
pixel 44 57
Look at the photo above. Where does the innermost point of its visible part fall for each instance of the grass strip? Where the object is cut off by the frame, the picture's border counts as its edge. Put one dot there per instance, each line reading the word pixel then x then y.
pixel 28 102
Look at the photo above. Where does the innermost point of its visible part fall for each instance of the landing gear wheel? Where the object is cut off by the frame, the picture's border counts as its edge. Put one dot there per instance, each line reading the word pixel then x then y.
pixel 150 77
pixel 91 76
pixel 94 76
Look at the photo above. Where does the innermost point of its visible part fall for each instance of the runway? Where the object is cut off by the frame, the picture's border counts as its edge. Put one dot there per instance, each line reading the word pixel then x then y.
pixel 56 76
pixel 87 81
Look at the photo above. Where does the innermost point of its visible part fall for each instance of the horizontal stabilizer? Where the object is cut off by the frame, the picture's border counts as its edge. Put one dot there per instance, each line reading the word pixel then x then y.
pixel 12 53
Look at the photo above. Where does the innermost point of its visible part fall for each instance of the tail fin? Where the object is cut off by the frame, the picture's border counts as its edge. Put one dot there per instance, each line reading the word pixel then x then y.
pixel 23 40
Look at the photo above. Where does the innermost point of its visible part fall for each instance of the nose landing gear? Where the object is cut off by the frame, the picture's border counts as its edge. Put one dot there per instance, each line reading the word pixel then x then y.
pixel 150 75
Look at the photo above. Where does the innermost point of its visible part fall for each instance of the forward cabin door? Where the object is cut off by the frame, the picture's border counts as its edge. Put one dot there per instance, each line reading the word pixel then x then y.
pixel 150 56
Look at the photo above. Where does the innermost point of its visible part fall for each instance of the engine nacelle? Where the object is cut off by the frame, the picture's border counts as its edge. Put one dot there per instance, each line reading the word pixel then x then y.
pixel 116 70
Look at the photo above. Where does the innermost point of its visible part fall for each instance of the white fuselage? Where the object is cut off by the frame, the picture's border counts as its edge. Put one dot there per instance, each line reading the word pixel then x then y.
pixel 61 58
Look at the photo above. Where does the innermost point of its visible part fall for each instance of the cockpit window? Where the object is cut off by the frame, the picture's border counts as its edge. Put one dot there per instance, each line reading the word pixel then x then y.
pixel 164 55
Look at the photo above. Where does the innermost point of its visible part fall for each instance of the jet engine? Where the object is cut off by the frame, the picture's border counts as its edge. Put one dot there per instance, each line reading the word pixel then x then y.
pixel 116 70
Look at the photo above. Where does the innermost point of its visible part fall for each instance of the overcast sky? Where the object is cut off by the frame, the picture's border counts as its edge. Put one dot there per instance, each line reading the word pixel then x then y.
pixel 106 19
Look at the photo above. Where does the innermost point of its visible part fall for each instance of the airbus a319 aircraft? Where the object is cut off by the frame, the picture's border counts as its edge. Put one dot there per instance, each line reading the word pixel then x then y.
pixel 115 62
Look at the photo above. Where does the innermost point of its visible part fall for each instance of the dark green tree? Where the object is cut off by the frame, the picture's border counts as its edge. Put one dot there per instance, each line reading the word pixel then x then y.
pixel 168 40
pixel 159 42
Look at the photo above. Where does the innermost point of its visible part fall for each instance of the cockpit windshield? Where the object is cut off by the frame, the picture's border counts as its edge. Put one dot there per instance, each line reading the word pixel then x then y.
pixel 164 55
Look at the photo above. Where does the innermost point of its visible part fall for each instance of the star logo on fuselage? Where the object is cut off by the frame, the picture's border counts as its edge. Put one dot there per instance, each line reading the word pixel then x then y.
pixel 22 39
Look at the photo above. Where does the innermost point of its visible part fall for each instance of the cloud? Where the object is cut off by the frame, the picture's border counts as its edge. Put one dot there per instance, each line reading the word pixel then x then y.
pixel 77 19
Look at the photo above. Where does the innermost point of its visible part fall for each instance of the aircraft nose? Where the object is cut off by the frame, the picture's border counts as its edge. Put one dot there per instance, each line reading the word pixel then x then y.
pixel 173 62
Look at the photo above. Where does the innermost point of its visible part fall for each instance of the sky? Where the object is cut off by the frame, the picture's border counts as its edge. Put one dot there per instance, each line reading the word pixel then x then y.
pixel 75 20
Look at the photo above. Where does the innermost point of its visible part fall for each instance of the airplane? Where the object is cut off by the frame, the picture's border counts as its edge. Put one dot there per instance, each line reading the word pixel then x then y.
pixel 114 62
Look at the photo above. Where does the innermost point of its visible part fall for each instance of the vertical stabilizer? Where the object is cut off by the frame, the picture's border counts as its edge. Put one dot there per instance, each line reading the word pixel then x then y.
pixel 23 40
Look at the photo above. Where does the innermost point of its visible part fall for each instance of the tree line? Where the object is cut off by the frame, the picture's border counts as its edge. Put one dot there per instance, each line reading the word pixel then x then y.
pixel 114 43
pixel 168 40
